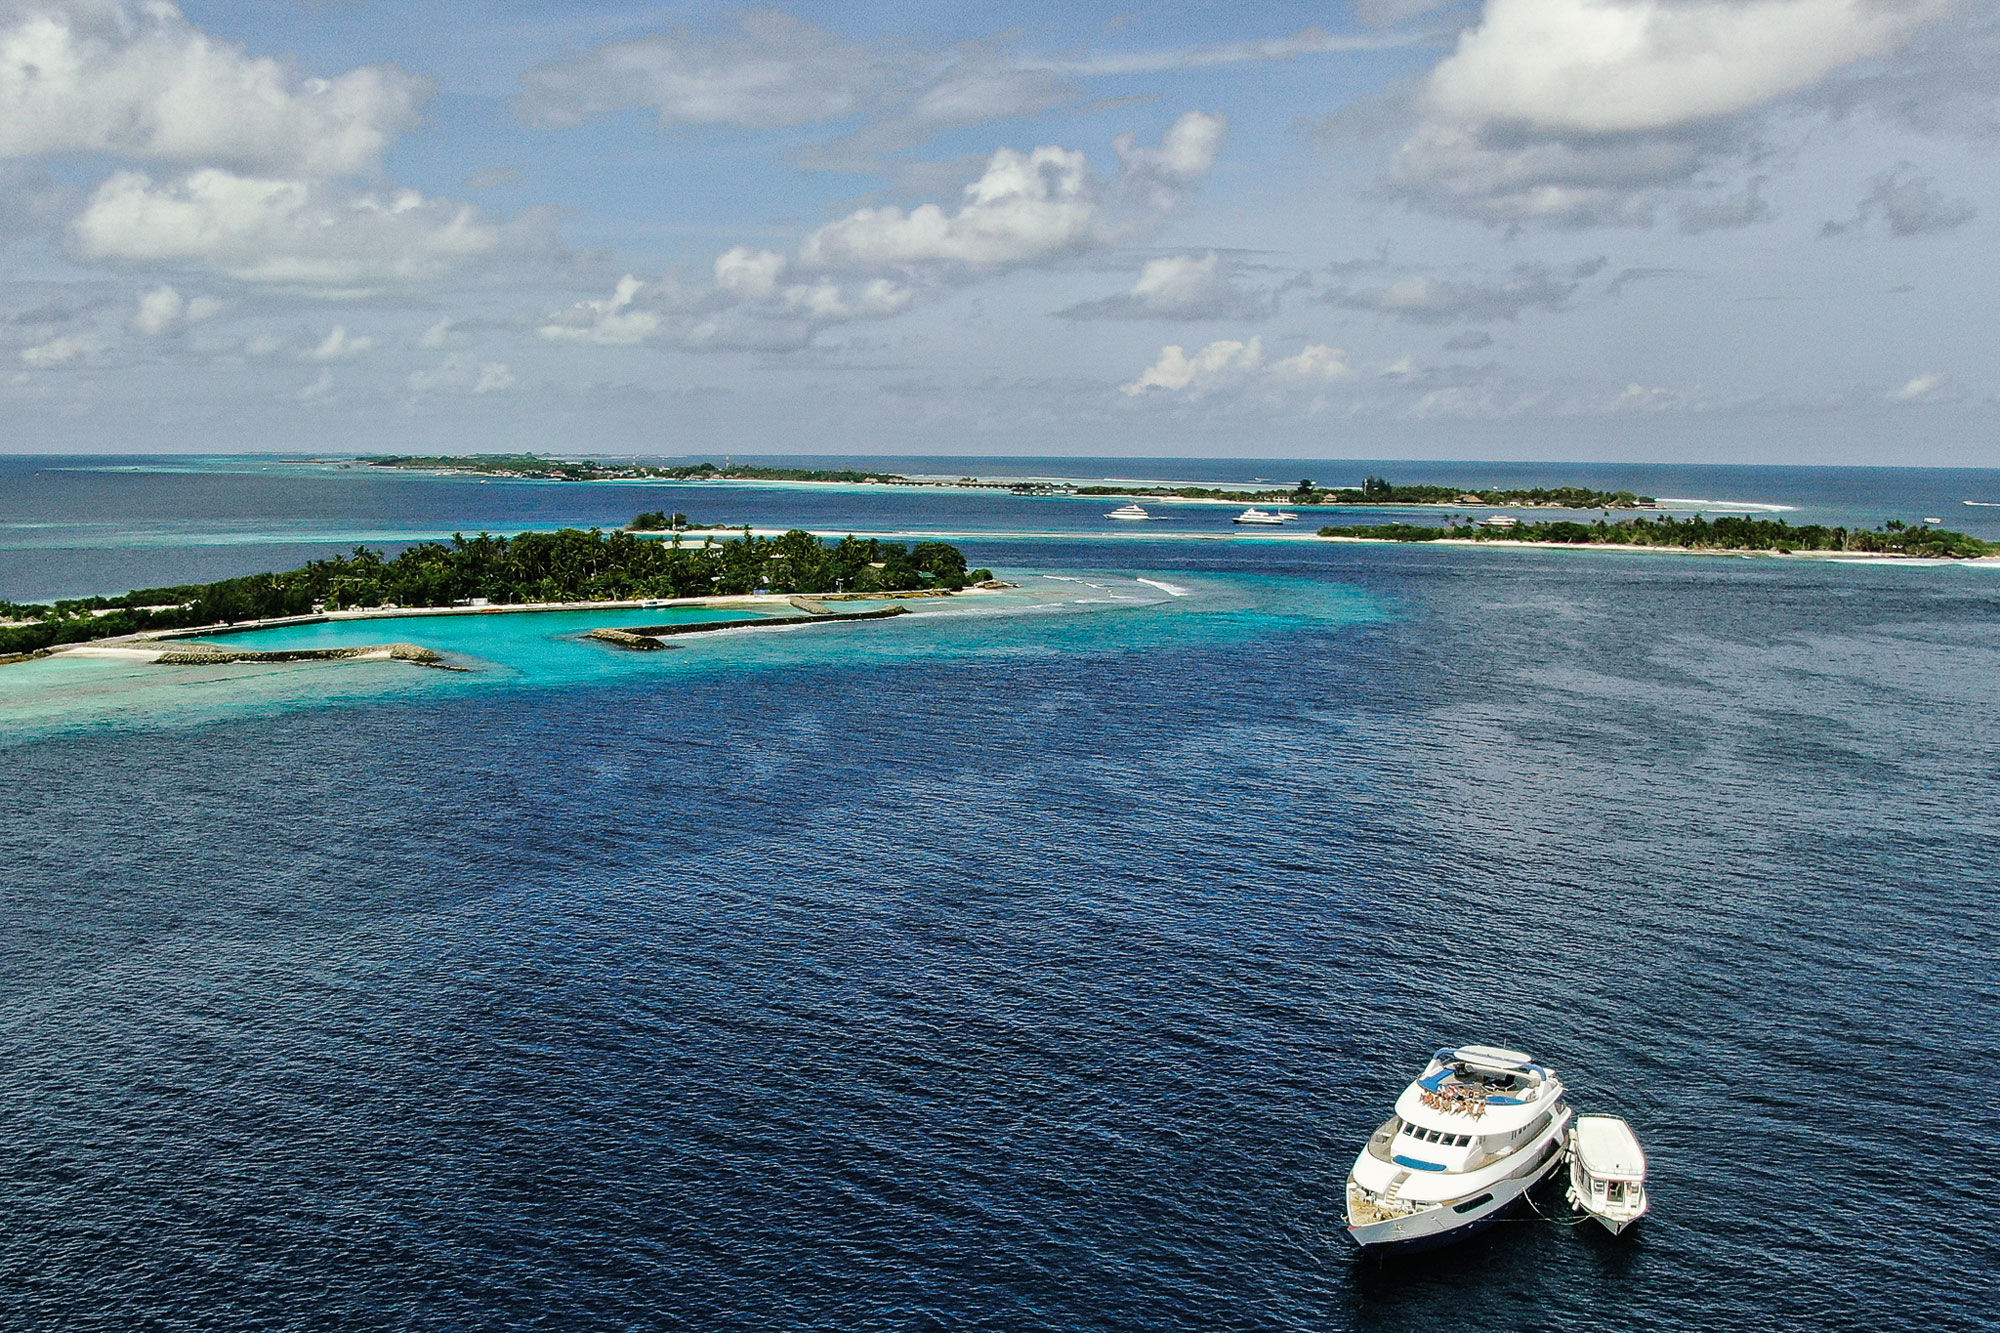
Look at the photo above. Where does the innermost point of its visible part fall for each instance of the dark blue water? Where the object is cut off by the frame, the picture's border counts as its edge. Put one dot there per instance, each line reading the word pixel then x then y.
pixel 1054 991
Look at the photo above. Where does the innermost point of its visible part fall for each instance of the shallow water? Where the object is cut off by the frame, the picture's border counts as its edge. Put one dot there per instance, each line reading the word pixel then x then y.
pixel 1030 969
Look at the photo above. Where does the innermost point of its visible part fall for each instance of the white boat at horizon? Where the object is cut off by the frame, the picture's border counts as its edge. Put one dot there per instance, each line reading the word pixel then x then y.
pixel 1607 1171
pixel 1472 1135
pixel 1263 518
pixel 1130 513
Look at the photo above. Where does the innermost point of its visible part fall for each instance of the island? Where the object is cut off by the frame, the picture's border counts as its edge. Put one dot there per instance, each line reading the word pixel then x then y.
pixel 1697 534
pixel 1373 491
pixel 533 467
pixel 568 566
pixel 1377 492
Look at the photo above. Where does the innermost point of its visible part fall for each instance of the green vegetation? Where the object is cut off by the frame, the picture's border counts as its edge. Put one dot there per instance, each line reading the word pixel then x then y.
pixel 565 566
pixel 1378 491
pixel 537 468
pixel 1701 534
pixel 659 520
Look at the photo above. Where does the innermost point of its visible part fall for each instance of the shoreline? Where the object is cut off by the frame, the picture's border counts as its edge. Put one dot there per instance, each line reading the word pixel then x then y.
pixel 151 646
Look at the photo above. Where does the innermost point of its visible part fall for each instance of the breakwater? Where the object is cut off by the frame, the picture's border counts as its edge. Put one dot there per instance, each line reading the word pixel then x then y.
pixel 646 638
pixel 195 655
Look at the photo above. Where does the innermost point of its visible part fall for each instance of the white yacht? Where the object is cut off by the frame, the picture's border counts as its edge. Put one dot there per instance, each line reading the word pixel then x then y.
pixel 1131 513
pixel 1607 1171
pixel 1479 1128
pixel 1262 518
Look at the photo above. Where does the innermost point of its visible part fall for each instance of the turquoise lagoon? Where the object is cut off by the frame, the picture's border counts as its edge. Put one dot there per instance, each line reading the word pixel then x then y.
pixel 1052 613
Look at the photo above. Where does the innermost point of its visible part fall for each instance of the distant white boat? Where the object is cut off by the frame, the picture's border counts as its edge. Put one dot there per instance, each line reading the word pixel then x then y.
pixel 1607 1171
pixel 1131 513
pixel 1260 518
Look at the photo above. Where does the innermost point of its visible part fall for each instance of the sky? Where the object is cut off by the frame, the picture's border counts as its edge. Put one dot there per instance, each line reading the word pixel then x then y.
pixel 1659 230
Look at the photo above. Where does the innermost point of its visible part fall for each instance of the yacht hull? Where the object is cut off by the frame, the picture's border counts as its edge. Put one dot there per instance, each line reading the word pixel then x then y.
pixel 1447 1224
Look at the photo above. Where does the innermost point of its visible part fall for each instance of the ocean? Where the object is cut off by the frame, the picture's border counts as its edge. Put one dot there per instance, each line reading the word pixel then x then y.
pixel 1036 964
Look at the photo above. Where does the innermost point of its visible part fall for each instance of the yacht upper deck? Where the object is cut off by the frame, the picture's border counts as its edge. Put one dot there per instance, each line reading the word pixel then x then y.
pixel 1482 1087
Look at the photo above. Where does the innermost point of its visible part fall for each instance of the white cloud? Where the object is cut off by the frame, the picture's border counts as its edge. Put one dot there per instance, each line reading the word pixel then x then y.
pixel 1306 42
pixel 263 344
pixel 461 374
pixel 1907 205
pixel 614 322
pixel 773 70
pixel 163 310
pixel 750 274
pixel 159 310
pixel 1028 207
pixel 828 301
pixel 746 308
pixel 1024 208
pixel 1317 364
pixel 1738 209
pixel 1584 111
pixel 339 345
pixel 138 80
pixel 1220 364
pixel 1175 284
pixel 1921 389
pixel 1644 398
pixel 1383 13
pixel 270 230
pixel 1231 365
pixel 1179 287
pixel 61 351
pixel 777 71
pixel 437 335
pixel 981 85
pixel 319 388
pixel 1625 66
pixel 1425 299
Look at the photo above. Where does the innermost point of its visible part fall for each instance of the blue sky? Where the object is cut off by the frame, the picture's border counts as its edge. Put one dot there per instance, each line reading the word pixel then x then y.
pixel 1703 230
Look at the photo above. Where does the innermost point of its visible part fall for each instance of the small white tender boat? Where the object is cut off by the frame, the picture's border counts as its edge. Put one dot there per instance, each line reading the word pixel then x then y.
pixel 1131 513
pixel 1260 518
pixel 1479 1128
pixel 1607 1171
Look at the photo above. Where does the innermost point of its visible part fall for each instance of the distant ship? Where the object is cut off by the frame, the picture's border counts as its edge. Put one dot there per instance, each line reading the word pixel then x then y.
pixel 1261 518
pixel 1130 513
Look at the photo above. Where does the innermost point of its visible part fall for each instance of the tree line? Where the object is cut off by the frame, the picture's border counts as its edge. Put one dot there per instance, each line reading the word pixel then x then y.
pixel 1702 534
pixel 534 467
pixel 1380 491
